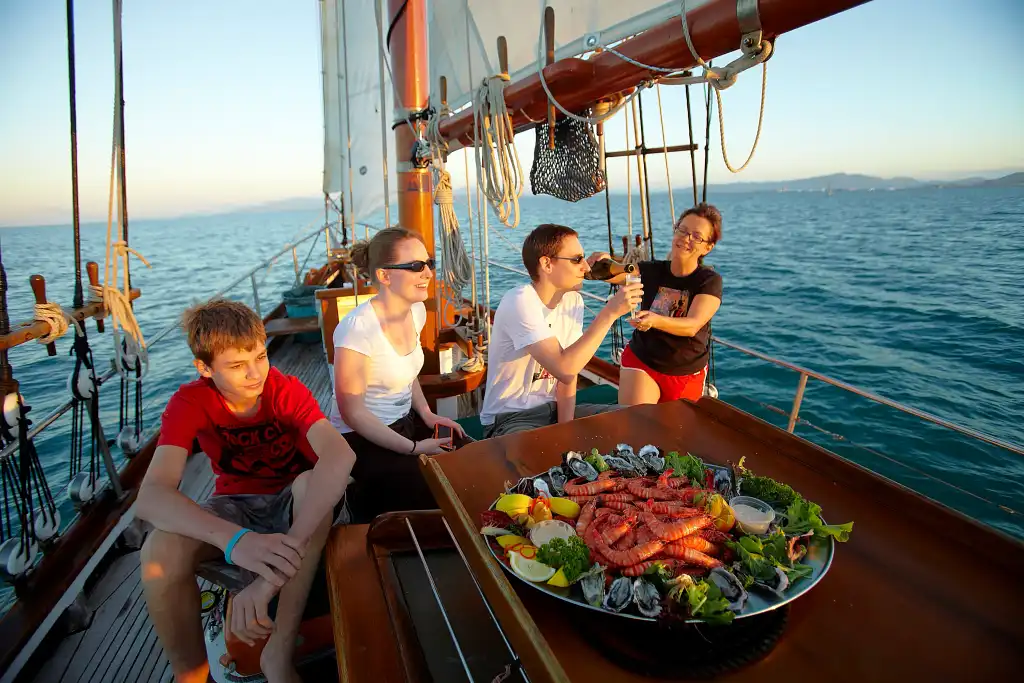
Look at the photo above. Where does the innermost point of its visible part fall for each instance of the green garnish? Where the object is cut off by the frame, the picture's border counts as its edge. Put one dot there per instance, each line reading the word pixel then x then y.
pixel 702 599
pixel 760 556
pixel 765 488
pixel 689 466
pixel 572 556
pixel 803 516
pixel 596 460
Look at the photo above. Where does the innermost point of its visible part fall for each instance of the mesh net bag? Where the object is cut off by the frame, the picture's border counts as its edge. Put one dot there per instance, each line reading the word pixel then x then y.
pixel 572 170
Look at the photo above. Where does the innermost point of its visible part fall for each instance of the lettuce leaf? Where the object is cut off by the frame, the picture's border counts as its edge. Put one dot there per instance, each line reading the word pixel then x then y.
pixel 706 602
pixel 759 558
pixel 803 516
pixel 689 466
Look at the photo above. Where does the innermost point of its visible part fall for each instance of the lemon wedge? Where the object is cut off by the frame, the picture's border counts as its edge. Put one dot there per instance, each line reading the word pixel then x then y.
pixel 565 508
pixel 559 580
pixel 542 532
pixel 531 570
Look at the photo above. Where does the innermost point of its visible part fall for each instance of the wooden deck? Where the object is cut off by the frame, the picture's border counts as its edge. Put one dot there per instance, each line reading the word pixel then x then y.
pixel 120 645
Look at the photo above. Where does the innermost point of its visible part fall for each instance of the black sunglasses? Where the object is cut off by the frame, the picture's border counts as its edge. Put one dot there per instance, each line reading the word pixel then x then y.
pixel 414 266
pixel 575 260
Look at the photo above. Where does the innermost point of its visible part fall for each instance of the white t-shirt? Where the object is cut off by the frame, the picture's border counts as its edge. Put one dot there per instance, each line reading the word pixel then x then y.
pixel 515 380
pixel 389 379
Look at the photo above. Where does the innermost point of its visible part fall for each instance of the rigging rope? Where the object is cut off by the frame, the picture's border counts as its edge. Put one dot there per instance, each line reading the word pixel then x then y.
pixel 499 171
pixel 132 348
pixel 759 54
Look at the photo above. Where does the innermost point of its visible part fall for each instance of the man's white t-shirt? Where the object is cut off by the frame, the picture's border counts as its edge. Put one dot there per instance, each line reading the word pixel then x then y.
pixel 515 381
pixel 390 375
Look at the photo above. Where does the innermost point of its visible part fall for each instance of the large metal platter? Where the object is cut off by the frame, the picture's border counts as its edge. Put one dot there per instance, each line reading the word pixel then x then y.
pixel 819 556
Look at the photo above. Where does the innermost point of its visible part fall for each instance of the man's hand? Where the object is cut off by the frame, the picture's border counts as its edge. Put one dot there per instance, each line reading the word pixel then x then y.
pixel 275 557
pixel 249 619
pixel 597 256
pixel 626 299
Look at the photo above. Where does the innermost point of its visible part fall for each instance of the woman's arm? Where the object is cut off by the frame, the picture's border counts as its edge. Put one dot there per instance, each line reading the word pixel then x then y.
pixel 565 400
pixel 419 401
pixel 701 311
pixel 350 376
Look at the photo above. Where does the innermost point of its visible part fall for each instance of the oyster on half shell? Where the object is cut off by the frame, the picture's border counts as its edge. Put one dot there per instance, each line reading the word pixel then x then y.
pixel 579 467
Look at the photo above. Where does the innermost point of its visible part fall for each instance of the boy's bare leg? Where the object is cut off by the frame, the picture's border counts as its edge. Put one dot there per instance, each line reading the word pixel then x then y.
pixel 278 654
pixel 172 595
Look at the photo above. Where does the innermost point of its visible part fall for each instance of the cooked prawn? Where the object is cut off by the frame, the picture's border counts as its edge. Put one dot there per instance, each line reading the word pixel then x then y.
pixel 586 517
pixel 690 555
pixel 588 488
pixel 671 531
pixel 623 558
pixel 696 542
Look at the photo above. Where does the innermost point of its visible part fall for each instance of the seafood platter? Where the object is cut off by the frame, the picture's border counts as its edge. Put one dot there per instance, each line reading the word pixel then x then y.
pixel 652 535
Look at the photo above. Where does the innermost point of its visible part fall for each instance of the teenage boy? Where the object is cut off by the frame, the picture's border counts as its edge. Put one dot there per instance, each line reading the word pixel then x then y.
pixel 280 470
pixel 538 345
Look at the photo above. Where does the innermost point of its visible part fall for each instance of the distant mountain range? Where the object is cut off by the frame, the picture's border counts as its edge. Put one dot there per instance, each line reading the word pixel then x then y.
pixel 854 182
pixel 836 182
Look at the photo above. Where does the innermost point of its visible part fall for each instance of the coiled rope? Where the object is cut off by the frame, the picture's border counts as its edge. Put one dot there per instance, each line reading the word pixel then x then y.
pixel 499 171
pixel 57 319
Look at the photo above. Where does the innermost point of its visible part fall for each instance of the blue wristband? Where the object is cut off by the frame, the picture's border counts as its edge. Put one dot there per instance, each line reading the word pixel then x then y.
pixel 232 543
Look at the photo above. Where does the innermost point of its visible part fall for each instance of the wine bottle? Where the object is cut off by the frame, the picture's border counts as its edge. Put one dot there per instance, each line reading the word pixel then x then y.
pixel 606 269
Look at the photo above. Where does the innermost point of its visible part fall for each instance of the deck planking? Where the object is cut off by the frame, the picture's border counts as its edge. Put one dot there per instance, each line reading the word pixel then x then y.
pixel 120 644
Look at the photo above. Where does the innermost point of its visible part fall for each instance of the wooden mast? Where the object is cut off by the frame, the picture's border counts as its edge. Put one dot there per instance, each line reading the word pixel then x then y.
pixel 406 37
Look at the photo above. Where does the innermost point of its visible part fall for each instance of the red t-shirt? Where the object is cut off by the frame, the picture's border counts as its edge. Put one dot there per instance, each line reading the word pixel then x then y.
pixel 258 454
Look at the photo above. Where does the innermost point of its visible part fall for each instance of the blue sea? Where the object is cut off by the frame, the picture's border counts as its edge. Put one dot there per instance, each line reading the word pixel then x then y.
pixel 913 295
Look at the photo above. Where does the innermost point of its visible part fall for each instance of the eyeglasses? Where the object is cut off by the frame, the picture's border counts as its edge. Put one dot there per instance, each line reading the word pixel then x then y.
pixel 575 260
pixel 696 237
pixel 414 266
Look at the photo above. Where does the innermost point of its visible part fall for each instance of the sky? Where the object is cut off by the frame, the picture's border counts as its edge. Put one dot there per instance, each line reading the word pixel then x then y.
pixel 223 103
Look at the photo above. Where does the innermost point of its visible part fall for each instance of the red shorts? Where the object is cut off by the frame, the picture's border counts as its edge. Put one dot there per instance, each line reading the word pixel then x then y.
pixel 672 386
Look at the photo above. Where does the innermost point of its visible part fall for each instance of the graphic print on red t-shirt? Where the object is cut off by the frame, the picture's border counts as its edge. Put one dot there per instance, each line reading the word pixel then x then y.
pixel 260 454
pixel 259 450
pixel 671 303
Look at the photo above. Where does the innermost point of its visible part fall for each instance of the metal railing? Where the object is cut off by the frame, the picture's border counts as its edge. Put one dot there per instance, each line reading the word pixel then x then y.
pixel 806 373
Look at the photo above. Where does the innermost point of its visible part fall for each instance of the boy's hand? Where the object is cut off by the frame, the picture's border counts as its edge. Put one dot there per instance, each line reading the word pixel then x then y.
pixel 249 618
pixel 626 299
pixel 275 557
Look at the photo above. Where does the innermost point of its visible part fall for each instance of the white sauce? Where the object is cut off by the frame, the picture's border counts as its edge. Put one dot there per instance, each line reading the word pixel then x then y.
pixel 752 520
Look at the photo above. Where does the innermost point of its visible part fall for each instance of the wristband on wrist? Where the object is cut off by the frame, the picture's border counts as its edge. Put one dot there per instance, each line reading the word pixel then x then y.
pixel 232 543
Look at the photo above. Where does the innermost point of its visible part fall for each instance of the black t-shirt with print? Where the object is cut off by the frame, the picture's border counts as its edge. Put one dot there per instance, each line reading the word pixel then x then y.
pixel 668 295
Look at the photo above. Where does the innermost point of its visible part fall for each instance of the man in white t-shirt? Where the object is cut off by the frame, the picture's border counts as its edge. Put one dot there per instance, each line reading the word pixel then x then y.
pixel 538 345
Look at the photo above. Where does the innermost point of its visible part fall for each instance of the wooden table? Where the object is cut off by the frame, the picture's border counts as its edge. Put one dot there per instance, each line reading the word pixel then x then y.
pixel 918 593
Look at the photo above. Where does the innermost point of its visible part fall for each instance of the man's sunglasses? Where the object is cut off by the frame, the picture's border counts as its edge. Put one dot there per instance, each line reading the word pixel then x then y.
pixel 575 260
pixel 414 266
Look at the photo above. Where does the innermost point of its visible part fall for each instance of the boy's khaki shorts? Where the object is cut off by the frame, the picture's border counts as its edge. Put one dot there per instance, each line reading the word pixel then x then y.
pixel 263 513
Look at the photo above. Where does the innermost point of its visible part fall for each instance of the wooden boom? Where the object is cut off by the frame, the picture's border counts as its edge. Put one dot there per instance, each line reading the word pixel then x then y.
pixel 578 83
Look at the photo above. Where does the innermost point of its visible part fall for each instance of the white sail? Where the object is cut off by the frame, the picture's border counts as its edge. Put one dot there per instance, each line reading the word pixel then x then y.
pixel 354 159
pixel 580 25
